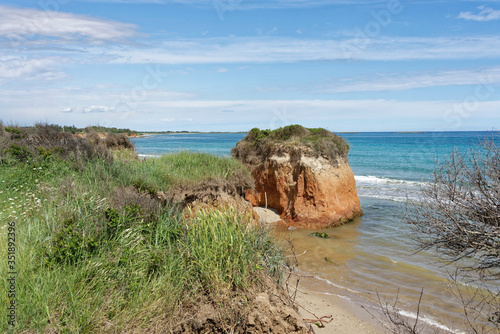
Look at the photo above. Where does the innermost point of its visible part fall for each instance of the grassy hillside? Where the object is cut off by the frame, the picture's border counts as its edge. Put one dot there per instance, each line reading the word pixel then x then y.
pixel 95 252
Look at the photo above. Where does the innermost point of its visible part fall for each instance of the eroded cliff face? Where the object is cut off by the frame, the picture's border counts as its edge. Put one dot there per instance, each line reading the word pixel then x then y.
pixel 211 195
pixel 308 190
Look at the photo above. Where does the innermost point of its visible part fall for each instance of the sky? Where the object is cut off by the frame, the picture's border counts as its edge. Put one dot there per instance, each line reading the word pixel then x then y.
pixel 232 65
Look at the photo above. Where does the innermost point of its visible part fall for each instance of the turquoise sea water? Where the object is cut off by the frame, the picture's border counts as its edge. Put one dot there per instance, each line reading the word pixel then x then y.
pixel 374 253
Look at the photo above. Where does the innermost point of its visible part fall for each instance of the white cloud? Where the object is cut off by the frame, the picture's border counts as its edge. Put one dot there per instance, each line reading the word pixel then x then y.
pixel 288 50
pixel 20 24
pixel 93 108
pixel 73 102
pixel 69 106
pixel 15 68
pixel 81 37
pixel 88 109
pixel 328 109
pixel 485 14
pixel 486 76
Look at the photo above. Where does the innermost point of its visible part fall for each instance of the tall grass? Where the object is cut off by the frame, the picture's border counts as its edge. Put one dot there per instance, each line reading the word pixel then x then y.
pixel 184 168
pixel 226 253
pixel 95 255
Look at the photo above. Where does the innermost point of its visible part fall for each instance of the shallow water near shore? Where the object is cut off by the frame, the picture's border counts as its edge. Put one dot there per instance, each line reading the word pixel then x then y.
pixel 375 253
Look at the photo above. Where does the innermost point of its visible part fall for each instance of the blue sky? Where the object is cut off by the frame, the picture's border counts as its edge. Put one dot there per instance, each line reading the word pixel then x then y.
pixel 231 65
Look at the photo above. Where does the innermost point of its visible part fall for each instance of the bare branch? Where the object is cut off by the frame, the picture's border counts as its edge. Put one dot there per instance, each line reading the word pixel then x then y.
pixel 458 215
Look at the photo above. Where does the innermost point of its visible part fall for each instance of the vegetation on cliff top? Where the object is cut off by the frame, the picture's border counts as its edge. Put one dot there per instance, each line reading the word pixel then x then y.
pixel 95 252
pixel 74 130
pixel 259 144
pixel 43 141
pixel 188 168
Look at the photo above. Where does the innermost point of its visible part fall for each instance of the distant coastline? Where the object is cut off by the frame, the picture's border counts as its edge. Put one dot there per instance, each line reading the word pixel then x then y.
pixel 185 132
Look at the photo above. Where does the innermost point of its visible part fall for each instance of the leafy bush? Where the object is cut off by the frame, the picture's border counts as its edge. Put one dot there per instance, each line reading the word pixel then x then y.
pixel 69 245
pixel 12 129
pixel 114 220
pixel 19 152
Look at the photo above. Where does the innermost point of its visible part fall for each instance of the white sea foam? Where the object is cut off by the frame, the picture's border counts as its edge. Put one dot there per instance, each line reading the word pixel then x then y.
pixel 429 321
pixel 337 295
pixel 384 180
pixel 390 198
pixel 336 285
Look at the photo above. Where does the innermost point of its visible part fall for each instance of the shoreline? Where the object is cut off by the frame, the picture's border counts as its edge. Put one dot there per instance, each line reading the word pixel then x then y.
pixel 348 311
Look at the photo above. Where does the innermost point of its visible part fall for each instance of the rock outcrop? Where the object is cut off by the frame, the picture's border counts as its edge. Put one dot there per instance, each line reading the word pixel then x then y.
pixel 310 184
pixel 212 194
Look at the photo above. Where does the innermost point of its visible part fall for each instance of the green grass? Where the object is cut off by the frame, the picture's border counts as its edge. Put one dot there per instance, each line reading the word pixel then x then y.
pixel 184 168
pixel 95 255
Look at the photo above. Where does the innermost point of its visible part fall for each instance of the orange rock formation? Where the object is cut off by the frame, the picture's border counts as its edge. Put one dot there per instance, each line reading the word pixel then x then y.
pixel 307 190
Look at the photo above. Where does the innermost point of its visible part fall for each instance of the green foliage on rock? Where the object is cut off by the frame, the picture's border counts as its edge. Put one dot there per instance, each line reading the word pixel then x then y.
pixel 259 144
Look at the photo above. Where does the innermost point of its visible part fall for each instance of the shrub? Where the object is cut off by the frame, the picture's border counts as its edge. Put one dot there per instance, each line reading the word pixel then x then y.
pixel 142 184
pixel 458 216
pixel 114 220
pixel 12 129
pixel 19 152
pixel 68 245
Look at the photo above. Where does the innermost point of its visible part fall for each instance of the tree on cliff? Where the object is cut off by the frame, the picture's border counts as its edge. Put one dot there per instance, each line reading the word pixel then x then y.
pixel 458 215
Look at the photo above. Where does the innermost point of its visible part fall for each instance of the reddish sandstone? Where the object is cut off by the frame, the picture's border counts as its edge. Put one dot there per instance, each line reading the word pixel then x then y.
pixel 308 191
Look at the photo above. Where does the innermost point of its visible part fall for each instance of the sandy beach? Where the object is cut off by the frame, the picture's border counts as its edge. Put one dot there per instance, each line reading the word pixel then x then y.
pixel 347 316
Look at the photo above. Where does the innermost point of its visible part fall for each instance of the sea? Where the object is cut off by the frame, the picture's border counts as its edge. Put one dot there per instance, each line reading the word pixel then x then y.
pixel 373 258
